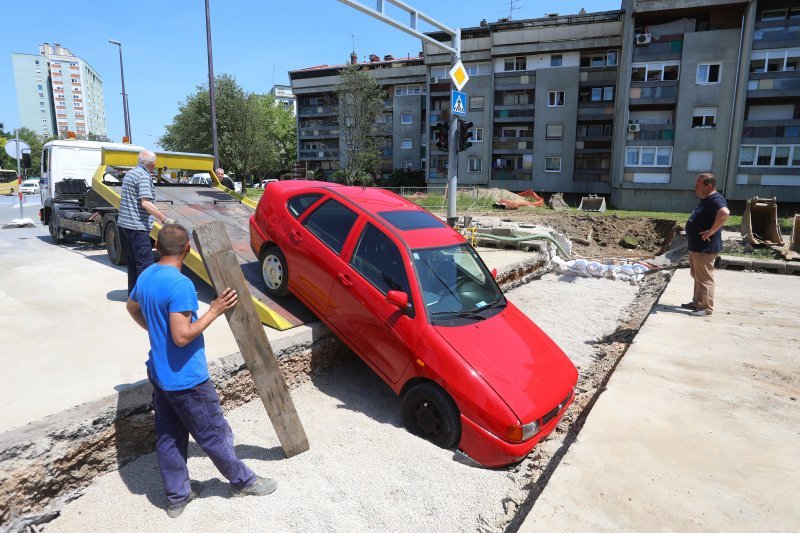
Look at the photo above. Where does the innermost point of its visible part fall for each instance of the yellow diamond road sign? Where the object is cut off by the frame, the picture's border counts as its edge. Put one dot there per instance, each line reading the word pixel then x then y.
pixel 459 75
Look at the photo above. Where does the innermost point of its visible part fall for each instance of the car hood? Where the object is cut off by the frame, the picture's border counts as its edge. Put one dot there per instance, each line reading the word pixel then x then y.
pixel 517 359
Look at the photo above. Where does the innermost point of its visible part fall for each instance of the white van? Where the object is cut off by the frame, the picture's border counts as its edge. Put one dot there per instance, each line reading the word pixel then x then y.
pixel 72 159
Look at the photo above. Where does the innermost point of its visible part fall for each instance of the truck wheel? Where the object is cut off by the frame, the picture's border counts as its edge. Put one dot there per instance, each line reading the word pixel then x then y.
pixel 55 232
pixel 116 253
pixel 274 271
pixel 429 412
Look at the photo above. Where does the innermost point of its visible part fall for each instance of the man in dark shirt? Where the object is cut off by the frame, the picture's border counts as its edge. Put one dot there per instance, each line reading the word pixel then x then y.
pixel 704 236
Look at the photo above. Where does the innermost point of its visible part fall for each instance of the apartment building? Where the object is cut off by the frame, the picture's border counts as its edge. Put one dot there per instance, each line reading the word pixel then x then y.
pixel 58 92
pixel 400 128
pixel 631 104
pixel 284 97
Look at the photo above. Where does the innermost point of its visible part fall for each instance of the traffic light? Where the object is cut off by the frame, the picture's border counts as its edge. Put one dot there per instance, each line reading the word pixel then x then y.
pixel 464 135
pixel 442 131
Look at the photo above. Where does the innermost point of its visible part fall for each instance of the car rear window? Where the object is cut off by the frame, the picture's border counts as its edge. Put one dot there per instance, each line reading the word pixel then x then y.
pixel 411 220
pixel 299 204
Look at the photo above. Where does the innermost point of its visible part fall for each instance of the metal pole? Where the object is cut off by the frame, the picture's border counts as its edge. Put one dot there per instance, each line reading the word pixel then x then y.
pixel 214 145
pixel 19 173
pixel 125 114
pixel 452 157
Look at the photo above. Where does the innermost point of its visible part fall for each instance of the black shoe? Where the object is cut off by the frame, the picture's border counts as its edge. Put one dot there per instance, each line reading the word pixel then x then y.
pixel 690 305
pixel 260 487
pixel 174 510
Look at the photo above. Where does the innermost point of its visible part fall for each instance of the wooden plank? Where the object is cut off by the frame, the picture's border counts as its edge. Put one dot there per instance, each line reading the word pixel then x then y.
pixel 224 270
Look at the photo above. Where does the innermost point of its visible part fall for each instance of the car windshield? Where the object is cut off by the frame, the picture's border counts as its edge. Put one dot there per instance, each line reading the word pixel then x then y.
pixel 455 283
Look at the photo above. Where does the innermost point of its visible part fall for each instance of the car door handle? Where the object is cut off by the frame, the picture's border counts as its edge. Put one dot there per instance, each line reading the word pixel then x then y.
pixel 345 279
pixel 295 236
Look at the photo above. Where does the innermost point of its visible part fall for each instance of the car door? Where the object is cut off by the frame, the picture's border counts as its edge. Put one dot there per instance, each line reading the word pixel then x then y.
pixel 380 332
pixel 315 243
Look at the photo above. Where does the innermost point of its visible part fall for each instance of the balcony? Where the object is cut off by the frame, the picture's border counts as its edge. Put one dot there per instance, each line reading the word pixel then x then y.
pixel 318 111
pixel 654 95
pixel 319 154
pixel 658 50
pixel 597 111
pixel 586 175
pixel 776 34
pixel 512 175
pixel 596 77
pixel 514 115
pixel 514 144
pixel 770 131
pixel 321 132
pixel 525 81
pixel 655 132
pixel 774 84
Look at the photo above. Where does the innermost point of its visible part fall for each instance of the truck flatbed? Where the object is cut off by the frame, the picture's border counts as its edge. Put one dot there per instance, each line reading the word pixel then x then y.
pixel 194 205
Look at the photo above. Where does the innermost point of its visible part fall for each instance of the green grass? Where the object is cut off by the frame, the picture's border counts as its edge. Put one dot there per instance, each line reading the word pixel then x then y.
pixel 254 194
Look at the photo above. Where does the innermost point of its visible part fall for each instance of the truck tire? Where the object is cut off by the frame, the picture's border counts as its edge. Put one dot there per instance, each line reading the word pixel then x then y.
pixel 114 248
pixel 55 232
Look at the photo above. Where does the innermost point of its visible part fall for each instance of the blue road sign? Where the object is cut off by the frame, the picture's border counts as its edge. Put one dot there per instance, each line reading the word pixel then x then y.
pixel 458 103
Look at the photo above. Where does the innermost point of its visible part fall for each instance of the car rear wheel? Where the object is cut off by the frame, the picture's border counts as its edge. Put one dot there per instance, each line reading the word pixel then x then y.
pixel 114 245
pixel 275 272
pixel 429 412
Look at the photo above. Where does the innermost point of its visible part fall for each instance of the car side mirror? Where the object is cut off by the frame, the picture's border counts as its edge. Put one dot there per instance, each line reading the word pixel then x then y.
pixel 398 299
pixel 494 273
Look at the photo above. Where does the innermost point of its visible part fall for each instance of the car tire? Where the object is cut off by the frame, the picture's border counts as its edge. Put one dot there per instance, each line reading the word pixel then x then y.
pixel 429 412
pixel 114 249
pixel 55 232
pixel 275 272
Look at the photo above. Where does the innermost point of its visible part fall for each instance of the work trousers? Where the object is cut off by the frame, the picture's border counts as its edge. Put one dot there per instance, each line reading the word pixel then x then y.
pixel 194 412
pixel 139 252
pixel 701 268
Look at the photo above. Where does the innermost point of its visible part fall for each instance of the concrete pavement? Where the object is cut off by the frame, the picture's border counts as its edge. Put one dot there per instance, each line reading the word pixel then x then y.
pixel 698 427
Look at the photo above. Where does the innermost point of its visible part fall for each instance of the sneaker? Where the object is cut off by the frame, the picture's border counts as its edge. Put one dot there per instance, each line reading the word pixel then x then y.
pixel 701 312
pixel 690 305
pixel 260 487
pixel 174 510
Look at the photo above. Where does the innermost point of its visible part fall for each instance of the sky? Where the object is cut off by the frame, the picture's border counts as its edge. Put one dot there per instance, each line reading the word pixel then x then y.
pixel 257 42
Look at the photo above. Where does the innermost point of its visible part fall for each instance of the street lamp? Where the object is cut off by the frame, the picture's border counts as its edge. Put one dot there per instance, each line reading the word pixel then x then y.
pixel 124 94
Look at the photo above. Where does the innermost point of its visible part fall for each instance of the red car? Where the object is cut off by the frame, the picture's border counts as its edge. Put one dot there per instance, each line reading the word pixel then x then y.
pixel 414 300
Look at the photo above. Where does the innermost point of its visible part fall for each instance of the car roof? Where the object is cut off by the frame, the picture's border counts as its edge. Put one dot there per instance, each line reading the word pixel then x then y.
pixel 375 200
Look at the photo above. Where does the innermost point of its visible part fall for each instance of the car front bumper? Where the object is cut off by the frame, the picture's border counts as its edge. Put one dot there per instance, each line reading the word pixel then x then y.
pixel 492 451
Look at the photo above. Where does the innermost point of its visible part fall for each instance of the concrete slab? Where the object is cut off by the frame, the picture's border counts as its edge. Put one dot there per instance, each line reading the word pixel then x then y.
pixel 697 429
pixel 67 336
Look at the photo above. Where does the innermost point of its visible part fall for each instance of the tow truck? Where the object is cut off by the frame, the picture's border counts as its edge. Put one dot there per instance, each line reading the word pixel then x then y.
pixel 70 207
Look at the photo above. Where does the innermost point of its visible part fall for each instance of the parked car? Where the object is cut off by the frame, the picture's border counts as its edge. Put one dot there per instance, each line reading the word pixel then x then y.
pixel 414 300
pixel 264 182
pixel 29 187
pixel 201 178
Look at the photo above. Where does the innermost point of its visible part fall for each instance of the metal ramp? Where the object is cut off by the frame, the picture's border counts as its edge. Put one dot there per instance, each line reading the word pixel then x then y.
pixel 760 222
pixel 592 203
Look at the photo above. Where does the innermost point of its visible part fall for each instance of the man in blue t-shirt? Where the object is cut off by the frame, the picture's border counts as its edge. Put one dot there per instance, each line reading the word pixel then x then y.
pixel 164 302
pixel 704 236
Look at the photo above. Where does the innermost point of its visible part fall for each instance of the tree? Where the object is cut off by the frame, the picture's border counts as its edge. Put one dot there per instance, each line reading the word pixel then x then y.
pixel 360 102
pixel 253 134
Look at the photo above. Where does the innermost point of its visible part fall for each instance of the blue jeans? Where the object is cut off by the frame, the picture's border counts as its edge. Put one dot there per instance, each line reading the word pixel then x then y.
pixel 194 412
pixel 139 252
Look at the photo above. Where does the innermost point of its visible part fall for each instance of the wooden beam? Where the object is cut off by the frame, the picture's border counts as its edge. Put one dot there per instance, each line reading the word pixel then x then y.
pixel 225 271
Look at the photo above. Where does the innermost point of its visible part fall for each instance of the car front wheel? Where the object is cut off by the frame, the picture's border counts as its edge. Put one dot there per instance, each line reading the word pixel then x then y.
pixel 275 272
pixel 429 412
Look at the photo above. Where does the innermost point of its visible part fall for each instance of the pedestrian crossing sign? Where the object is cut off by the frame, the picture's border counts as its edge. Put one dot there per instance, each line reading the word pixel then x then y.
pixel 458 103
pixel 459 75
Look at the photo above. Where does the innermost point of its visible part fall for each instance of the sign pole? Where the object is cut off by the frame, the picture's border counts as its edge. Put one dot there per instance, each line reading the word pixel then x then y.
pixel 19 172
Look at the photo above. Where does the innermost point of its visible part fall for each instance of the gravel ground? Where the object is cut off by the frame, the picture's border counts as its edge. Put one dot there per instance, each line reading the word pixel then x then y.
pixel 364 472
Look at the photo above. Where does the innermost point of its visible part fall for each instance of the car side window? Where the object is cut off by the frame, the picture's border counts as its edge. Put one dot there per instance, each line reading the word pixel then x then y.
pixel 299 204
pixel 377 259
pixel 331 223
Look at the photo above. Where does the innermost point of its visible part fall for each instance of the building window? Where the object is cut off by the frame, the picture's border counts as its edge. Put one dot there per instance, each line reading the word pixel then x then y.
pixel 515 97
pixel 424 140
pixel 555 98
pixel 773 14
pixel 40 87
pixel 769 155
pixel 406 165
pixel 775 60
pixel 704 117
pixel 477 135
pixel 475 164
pixel 408 90
pixel 476 103
pixel 554 132
pixel 406 144
pixel 708 73
pixel 515 63
pixel 556 60
pixel 406 118
pixel 648 156
pixel 552 164
pixel 661 71
pixel 611 58
pixel 478 69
